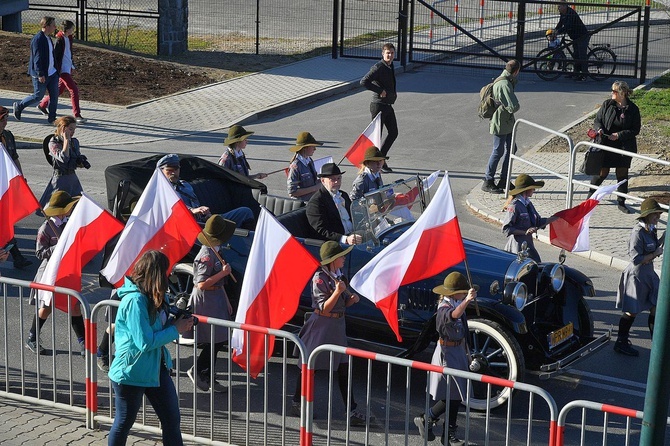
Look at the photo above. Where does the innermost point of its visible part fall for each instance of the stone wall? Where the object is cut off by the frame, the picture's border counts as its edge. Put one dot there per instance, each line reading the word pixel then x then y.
pixel 172 27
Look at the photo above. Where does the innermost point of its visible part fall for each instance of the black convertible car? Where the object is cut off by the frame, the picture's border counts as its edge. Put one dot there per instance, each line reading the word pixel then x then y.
pixel 529 316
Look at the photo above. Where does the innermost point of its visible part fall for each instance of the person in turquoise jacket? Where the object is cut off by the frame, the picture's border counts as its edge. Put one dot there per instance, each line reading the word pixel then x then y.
pixel 142 363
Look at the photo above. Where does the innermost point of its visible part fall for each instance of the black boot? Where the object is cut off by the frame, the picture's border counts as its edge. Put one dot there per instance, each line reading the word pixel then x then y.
pixel 20 262
pixel 623 344
pixel 651 320
pixel 596 180
pixel 420 423
pixel 490 187
pixel 449 438
pixel 621 201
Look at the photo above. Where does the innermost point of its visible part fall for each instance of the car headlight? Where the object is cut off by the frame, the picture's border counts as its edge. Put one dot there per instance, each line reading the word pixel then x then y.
pixel 553 276
pixel 516 294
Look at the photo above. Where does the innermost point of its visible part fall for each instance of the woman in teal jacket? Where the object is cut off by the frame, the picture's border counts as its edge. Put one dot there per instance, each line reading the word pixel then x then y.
pixel 142 363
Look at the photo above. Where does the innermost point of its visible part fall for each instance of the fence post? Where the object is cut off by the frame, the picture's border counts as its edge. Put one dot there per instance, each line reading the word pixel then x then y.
pixel 336 8
pixel 645 43
pixel 402 31
pixel 520 31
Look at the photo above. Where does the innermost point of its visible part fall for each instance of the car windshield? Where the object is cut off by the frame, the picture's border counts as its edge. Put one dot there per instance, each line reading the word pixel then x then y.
pixel 392 205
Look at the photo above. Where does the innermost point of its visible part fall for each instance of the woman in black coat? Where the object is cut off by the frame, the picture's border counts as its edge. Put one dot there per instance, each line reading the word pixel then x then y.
pixel 618 124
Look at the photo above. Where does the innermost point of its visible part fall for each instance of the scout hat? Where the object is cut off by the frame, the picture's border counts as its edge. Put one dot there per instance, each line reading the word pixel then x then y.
pixel 524 182
pixel 217 231
pixel 649 206
pixel 454 283
pixel 236 134
pixel 329 170
pixel 304 139
pixel 372 153
pixel 171 160
pixel 60 203
pixel 3 112
pixel 331 251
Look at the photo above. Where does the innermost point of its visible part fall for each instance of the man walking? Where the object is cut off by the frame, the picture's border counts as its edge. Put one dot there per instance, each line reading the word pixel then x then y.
pixel 381 81
pixel 571 24
pixel 42 69
pixel 502 123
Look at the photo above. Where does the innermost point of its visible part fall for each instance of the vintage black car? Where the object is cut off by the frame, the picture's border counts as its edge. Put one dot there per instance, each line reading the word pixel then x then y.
pixel 529 316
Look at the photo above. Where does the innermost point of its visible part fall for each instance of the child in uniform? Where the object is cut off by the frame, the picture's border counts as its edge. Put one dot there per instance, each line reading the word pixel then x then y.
pixel 233 157
pixel 302 180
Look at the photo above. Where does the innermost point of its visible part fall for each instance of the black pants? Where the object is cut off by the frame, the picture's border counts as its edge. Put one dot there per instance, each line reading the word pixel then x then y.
pixel 388 121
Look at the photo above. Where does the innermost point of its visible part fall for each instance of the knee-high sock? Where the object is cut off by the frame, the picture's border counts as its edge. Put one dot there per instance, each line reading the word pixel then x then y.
pixel 625 323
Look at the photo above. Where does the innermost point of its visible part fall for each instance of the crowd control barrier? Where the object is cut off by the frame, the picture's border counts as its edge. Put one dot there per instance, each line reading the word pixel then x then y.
pixel 398 411
pixel 58 378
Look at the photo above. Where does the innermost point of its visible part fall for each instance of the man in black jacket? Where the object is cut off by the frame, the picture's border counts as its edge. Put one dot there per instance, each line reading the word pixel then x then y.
pixel 381 81
pixel 328 211
pixel 572 25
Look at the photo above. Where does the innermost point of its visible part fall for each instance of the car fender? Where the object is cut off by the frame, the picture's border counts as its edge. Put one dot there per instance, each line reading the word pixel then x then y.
pixel 496 311
pixel 580 280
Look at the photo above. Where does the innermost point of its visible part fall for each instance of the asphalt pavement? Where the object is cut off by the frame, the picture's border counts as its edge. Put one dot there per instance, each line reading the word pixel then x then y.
pixel 242 100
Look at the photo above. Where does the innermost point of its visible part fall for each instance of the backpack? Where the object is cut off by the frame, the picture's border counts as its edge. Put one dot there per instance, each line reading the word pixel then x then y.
pixel 488 105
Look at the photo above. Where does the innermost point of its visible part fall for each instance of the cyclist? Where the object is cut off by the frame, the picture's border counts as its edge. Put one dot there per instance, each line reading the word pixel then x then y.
pixel 572 25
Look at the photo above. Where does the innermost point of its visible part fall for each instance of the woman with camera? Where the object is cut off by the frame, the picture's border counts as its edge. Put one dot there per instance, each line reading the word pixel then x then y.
pixel 142 363
pixel 65 158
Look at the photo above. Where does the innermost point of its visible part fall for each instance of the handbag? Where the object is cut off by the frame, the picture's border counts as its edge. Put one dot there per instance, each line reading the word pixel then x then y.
pixel 593 158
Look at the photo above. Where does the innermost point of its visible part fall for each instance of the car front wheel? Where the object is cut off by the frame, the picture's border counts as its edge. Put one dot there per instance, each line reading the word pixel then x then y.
pixel 494 352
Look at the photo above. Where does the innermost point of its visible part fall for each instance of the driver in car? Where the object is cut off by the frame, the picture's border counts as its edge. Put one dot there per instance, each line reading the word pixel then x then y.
pixel 329 209
pixel 169 165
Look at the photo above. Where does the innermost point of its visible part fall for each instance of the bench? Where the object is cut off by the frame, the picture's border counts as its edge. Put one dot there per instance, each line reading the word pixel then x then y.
pixel 277 205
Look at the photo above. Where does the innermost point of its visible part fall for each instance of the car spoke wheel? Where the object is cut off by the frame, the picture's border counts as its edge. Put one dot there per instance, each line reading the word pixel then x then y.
pixel 601 63
pixel 496 353
pixel 180 281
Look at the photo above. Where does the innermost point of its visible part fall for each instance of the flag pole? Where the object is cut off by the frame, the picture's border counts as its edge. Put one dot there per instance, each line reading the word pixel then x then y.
pixel 467 271
pixel 341 160
pixel 218 256
pixel 275 171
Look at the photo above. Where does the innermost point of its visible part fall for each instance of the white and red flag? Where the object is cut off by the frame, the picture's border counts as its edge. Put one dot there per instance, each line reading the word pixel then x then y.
pixel 371 136
pixel 85 234
pixel 278 269
pixel 571 230
pixel 160 221
pixel 430 246
pixel 16 199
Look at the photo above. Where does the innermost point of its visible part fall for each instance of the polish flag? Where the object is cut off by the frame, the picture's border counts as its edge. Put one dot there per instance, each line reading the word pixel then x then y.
pixel 571 230
pixel 85 234
pixel 160 221
pixel 278 269
pixel 371 136
pixel 429 247
pixel 16 198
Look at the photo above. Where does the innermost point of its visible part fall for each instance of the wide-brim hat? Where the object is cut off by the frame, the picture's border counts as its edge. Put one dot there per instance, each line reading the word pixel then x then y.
pixel 170 160
pixel 329 170
pixel 60 203
pixel 304 139
pixel 373 153
pixel 454 283
pixel 236 133
pixel 524 182
pixel 217 231
pixel 650 206
pixel 331 251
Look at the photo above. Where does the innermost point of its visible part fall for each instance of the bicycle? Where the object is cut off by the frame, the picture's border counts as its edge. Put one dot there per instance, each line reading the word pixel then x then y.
pixel 551 63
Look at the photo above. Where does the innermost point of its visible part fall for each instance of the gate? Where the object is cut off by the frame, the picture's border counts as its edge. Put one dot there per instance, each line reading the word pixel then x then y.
pixel 484 34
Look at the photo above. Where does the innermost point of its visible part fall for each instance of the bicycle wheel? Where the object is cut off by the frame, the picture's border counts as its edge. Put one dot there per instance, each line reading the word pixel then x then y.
pixel 546 67
pixel 601 63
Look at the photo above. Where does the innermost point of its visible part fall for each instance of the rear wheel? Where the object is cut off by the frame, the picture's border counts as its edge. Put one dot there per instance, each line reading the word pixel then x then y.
pixel 546 65
pixel 496 353
pixel 601 63
pixel 180 281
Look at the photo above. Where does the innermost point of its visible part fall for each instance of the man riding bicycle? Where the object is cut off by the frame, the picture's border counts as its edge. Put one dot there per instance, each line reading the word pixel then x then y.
pixel 572 25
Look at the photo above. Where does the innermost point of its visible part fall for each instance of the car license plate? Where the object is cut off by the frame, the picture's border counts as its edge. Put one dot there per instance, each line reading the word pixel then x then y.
pixel 561 335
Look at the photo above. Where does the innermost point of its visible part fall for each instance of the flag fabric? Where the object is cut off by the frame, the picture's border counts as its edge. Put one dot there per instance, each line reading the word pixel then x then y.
pixel 321 161
pixel 371 136
pixel 160 221
pixel 16 199
pixel 571 230
pixel 85 234
pixel 430 246
pixel 277 271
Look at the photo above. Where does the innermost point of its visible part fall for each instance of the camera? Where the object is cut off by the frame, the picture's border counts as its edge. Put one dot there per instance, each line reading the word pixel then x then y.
pixel 179 312
pixel 82 161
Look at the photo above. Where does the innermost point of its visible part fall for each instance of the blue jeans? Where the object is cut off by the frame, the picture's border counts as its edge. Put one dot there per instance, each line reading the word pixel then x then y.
pixel 501 146
pixel 241 216
pixel 164 400
pixel 39 89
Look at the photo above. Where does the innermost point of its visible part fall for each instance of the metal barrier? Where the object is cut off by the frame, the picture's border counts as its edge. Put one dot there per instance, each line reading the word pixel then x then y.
pixel 404 409
pixel 218 417
pixel 606 410
pixel 32 382
pixel 570 178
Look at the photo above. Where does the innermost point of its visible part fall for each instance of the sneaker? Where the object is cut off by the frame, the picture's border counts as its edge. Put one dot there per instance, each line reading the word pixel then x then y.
pixel 451 438
pixel 491 188
pixel 295 408
pixel 82 346
pixel 15 111
pixel 31 344
pixel 386 168
pixel 218 387
pixel 22 262
pixel 358 418
pixel 80 119
pixel 103 363
pixel 625 348
pixel 420 423
pixel 197 380
pixel 43 110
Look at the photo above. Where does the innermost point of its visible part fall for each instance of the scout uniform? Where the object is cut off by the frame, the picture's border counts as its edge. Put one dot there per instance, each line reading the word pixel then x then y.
pixel 366 181
pixel 232 159
pixel 521 215
pixel 302 173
